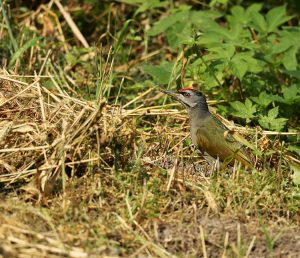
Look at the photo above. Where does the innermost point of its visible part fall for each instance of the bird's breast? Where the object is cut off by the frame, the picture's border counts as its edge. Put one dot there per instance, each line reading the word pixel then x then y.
pixel 197 126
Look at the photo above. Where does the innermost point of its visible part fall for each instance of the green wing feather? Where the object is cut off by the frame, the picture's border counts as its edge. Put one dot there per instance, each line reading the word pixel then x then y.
pixel 211 138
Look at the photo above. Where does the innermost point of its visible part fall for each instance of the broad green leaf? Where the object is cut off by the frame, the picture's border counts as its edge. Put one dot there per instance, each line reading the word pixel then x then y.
pixel 150 4
pixel 259 22
pixel 289 37
pixel 161 73
pixel 239 16
pixel 263 99
pixel 244 110
pixel 294 74
pixel 238 12
pixel 164 24
pixel 273 113
pixel 296 169
pixel 224 33
pixel 213 3
pixel 290 60
pixel 243 62
pixel 276 124
pixel 178 34
pixel 291 94
pixel 254 8
pixel 275 17
pixel 238 66
pixel 222 53
pixel 271 122
pixel 284 44
pixel 209 40
pixel 277 98
pixel 215 70
pixel 253 65
pixel 295 149
pixel 237 32
pixel 201 18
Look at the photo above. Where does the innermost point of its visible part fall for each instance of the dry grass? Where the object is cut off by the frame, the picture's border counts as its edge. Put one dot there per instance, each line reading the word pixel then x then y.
pixel 83 178
pixel 111 187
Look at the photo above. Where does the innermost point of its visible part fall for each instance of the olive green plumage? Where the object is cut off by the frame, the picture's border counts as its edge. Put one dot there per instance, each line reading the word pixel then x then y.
pixel 208 134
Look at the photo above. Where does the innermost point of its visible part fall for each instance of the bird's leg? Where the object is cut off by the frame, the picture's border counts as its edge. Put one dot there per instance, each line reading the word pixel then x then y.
pixel 214 164
pixel 200 168
pixel 211 163
pixel 193 163
pixel 217 165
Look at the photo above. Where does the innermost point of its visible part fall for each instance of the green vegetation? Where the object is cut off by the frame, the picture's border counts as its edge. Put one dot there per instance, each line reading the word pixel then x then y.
pixel 95 161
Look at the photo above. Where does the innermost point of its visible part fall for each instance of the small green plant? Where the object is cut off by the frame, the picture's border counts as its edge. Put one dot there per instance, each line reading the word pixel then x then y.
pixel 269 238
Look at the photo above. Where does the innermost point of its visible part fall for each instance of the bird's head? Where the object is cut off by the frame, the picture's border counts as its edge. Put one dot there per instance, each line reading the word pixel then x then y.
pixel 189 97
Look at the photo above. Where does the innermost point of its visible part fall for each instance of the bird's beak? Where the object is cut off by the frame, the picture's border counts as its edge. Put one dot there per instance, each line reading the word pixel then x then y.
pixel 171 93
pixel 176 96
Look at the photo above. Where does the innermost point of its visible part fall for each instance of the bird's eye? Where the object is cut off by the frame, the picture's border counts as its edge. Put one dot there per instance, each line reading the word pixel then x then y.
pixel 186 94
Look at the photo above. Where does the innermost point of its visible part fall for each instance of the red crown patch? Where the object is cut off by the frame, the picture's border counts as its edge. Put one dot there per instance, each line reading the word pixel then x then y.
pixel 184 89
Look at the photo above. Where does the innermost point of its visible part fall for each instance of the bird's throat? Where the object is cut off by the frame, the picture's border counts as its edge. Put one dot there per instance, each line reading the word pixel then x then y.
pixel 198 112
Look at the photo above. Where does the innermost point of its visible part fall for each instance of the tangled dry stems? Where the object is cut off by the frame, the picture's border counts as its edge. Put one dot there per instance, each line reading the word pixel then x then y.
pixel 44 132
pixel 48 134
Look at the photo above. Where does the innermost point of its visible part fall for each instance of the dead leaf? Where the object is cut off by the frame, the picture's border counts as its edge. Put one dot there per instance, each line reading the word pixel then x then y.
pixel 23 129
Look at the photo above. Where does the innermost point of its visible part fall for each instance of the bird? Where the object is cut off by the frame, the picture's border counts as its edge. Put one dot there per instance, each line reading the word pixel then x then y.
pixel 208 133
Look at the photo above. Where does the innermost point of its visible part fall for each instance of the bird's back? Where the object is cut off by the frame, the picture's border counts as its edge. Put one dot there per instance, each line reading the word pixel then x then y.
pixel 209 135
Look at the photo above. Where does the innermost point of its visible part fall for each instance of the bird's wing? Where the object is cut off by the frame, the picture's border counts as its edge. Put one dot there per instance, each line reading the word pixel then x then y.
pixel 212 139
pixel 234 135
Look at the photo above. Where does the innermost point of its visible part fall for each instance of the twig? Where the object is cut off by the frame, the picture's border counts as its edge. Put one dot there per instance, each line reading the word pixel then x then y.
pixel 72 24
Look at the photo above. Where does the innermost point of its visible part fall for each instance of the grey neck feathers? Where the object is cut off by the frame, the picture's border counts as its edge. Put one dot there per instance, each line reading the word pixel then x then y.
pixel 200 110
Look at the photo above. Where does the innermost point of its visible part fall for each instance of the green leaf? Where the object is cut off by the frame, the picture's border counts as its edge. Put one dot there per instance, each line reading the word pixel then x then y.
pixel 122 35
pixel 223 32
pixel 242 17
pixel 201 18
pixel 271 122
pixel 295 149
pixel 273 113
pixel 148 5
pixel 161 73
pixel 259 22
pixel 209 40
pixel 239 67
pixel 243 62
pixel 275 17
pixel 215 70
pixel 178 34
pixel 238 13
pixel 279 47
pixel 296 169
pixel 71 59
pixel 222 53
pixel 263 99
pixel 168 22
pixel 242 110
pixel 18 54
pixel 254 8
pixel 290 94
pixel 286 44
pixel 290 60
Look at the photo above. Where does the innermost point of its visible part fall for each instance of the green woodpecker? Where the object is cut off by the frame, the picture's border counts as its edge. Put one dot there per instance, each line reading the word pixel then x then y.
pixel 208 134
